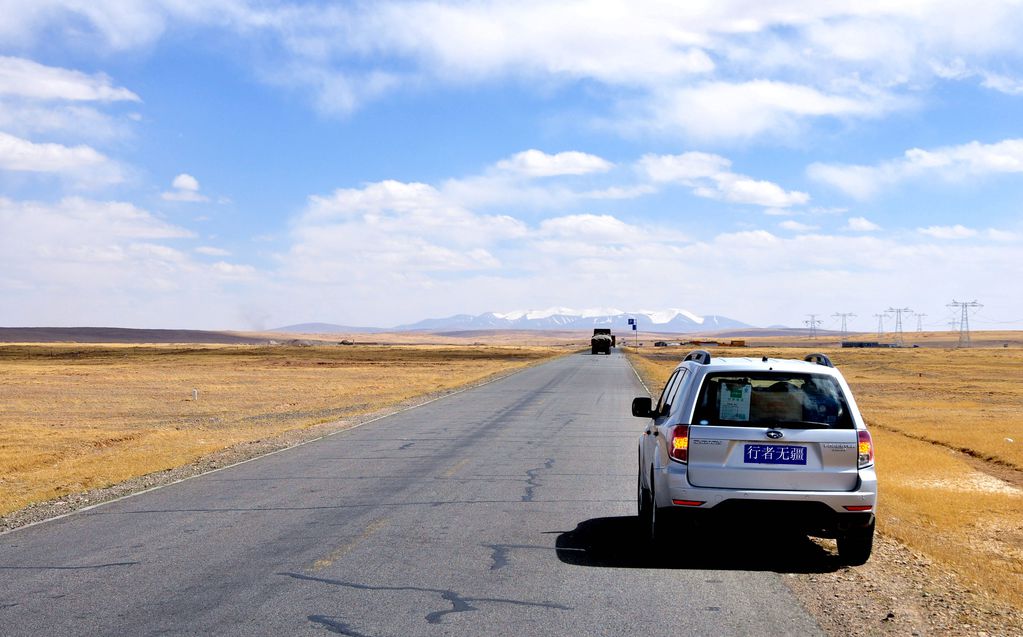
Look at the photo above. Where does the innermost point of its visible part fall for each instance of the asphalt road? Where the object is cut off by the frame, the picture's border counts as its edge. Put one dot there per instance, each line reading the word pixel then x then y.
pixel 508 509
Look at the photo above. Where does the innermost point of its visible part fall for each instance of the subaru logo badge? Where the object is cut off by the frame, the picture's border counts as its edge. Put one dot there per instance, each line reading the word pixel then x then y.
pixel 774 434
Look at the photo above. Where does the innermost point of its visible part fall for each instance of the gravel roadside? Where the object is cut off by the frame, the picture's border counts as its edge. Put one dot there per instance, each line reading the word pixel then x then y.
pixel 900 592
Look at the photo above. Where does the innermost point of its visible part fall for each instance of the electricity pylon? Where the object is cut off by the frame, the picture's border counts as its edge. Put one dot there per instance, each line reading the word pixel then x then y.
pixel 812 323
pixel 843 316
pixel 964 320
pixel 880 323
pixel 897 311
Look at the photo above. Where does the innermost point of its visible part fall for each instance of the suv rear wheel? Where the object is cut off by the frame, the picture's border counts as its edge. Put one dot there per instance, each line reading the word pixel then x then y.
pixel 644 503
pixel 659 521
pixel 855 546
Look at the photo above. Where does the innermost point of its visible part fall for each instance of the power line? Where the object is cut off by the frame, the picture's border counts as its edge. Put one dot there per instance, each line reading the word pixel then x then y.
pixel 985 319
pixel 964 319
pixel 897 311
pixel 843 316
pixel 812 323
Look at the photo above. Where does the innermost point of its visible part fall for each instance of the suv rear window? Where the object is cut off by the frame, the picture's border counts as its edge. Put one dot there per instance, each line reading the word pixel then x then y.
pixel 751 399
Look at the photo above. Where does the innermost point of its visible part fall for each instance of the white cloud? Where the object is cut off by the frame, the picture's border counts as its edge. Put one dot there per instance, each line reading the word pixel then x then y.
pixel 620 192
pixel 515 181
pixel 409 208
pixel 861 224
pixel 615 43
pixel 213 251
pixel 709 176
pixel 845 273
pixel 536 163
pixel 745 110
pixel 861 182
pixel 951 163
pixel 1001 235
pixel 234 270
pixel 602 230
pixel 948 232
pixel 684 168
pixel 186 188
pixel 52 244
pixel 35 98
pixel 68 122
pixel 186 182
pixel 711 71
pixel 24 78
pixel 421 245
pixel 1003 83
pixel 539 180
pixel 618 262
pixel 183 195
pixel 796 226
pixel 83 164
pixel 973 158
pixel 497 189
pixel 393 229
pixel 75 217
pixel 120 264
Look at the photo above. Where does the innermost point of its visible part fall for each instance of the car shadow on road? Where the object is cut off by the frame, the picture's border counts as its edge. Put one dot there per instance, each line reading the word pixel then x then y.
pixel 618 542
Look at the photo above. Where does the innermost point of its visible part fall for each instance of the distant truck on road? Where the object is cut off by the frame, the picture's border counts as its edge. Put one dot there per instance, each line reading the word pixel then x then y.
pixel 602 342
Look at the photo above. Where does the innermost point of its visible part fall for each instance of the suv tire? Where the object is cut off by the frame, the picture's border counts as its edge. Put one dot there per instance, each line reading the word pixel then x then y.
pixel 855 546
pixel 644 502
pixel 659 520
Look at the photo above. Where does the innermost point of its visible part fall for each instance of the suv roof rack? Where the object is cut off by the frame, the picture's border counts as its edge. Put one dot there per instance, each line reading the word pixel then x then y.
pixel 819 359
pixel 701 356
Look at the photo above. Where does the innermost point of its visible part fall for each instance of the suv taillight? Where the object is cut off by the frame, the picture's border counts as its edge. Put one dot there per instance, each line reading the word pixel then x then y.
pixel 679 447
pixel 866 449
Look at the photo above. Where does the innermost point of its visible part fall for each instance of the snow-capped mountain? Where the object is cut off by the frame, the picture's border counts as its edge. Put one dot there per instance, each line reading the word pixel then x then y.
pixel 670 321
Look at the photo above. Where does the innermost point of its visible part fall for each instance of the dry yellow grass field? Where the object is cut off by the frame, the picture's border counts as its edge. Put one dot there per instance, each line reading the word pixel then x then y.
pixel 76 417
pixel 948 430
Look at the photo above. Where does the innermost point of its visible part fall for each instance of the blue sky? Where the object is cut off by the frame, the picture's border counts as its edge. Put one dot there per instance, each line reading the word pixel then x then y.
pixel 246 165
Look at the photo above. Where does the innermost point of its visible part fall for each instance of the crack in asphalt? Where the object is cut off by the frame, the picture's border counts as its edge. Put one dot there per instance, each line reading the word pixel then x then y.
pixel 532 480
pixel 459 602
pixel 499 552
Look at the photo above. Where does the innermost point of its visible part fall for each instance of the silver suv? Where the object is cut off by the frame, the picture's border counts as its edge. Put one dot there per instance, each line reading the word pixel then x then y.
pixel 761 442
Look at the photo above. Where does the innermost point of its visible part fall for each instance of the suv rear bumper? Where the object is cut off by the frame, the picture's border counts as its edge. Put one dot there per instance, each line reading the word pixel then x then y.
pixel 821 513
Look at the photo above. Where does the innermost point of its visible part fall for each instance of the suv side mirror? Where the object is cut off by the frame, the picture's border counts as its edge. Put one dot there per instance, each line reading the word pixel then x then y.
pixel 642 407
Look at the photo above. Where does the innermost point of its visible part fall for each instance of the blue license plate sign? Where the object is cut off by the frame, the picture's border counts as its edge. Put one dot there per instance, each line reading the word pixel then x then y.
pixel 774 454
